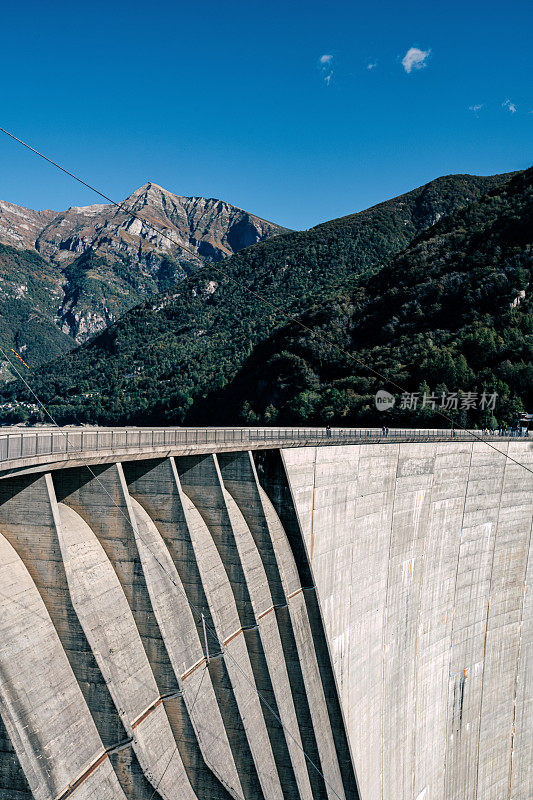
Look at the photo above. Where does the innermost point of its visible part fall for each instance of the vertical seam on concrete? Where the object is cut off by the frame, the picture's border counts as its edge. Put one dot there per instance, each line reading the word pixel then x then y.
pixel 383 626
pixel 518 660
pixel 487 616
pixel 445 765
pixel 348 721
pixel 312 532
pixel 417 651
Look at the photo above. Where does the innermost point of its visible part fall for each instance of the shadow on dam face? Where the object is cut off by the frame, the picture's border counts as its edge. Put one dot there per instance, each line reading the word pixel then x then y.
pixel 195 626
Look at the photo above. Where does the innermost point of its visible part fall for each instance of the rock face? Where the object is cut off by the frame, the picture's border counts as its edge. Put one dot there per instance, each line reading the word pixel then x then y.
pixel 211 228
pixel 80 269
pixel 20 227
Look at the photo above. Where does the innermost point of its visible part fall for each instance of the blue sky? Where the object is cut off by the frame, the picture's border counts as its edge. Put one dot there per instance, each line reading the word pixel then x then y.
pixel 236 100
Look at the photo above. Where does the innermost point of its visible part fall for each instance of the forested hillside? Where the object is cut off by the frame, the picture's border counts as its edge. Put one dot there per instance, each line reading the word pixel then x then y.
pixel 451 314
pixel 201 351
pixel 29 297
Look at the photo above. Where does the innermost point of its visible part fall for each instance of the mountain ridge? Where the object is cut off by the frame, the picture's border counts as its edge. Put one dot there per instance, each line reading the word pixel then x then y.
pixel 97 261
pixel 203 225
pixel 165 356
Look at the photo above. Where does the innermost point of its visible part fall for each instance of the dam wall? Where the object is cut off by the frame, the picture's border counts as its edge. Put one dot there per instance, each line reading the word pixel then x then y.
pixel 287 621
pixel 421 558
pixel 156 640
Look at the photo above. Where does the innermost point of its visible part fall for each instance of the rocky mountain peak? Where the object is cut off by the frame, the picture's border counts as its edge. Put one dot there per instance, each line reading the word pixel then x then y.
pixel 95 262
pixel 99 260
pixel 149 193
pixel 175 225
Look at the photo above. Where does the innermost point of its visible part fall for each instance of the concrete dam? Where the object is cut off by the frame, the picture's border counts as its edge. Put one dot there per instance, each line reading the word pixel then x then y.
pixel 265 614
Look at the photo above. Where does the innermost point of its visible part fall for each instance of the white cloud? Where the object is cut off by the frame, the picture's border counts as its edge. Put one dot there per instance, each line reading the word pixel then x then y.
pixel 475 108
pixel 371 65
pixel 511 107
pixel 326 67
pixel 415 59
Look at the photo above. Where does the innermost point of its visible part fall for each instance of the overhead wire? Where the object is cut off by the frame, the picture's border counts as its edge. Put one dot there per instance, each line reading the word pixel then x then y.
pixel 261 298
pixel 174 751
pixel 193 607
pixel 214 736
pixel 287 316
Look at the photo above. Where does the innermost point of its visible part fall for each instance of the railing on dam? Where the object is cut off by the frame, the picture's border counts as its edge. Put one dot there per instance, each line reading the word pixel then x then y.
pixel 16 443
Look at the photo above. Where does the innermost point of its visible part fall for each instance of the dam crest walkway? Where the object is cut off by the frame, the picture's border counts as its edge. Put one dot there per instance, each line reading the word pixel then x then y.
pixel 35 449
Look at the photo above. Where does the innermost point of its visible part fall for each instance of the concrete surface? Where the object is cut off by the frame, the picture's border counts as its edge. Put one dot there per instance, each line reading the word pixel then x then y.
pixel 368 604
pixel 420 557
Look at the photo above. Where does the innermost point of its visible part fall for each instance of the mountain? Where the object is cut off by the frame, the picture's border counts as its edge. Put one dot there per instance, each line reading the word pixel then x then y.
pixel 30 295
pixel 210 228
pixel 453 313
pixel 97 261
pixel 20 227
pixel 168 357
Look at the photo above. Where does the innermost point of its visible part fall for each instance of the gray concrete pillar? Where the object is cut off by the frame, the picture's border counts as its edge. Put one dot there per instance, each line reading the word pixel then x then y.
pixel 41 704
pixel 329 720
pixel 200 481
pixel 100 497
pixel 155 485
pixel 240 479
pixel 197 709
pixel 27 522
pixel 109 625
pixel 229 631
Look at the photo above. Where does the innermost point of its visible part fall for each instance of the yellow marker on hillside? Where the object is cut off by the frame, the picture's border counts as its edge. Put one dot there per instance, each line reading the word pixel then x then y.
pixel 17 355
